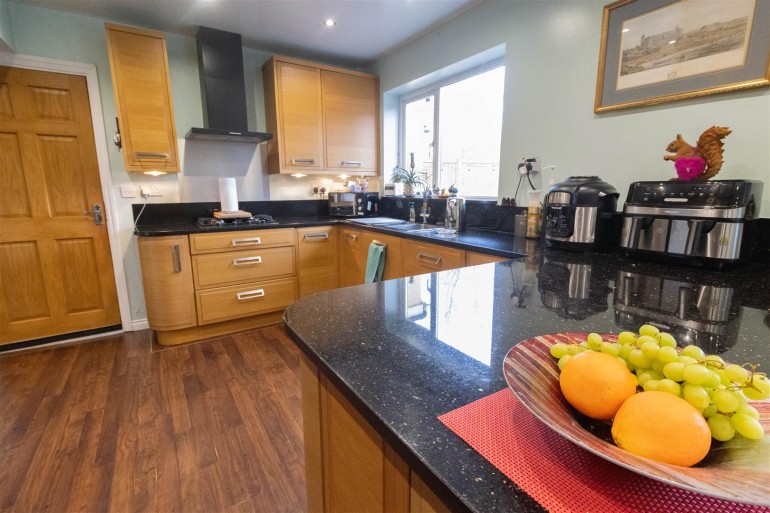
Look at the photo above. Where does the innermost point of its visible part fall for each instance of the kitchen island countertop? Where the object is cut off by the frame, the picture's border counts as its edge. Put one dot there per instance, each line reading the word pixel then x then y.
pixel 403 361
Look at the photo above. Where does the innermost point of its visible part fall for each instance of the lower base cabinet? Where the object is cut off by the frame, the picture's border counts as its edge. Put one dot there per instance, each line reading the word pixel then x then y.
pixel 349 467
pixel 210 284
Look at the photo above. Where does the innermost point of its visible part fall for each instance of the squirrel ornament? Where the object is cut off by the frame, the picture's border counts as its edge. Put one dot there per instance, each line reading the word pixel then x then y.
pixel 702 161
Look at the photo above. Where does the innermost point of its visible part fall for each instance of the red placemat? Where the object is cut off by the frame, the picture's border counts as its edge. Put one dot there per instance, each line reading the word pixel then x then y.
pixel 561 476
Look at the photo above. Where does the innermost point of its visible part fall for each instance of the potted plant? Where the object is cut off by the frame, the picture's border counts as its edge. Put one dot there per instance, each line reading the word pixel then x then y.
pixel 410 178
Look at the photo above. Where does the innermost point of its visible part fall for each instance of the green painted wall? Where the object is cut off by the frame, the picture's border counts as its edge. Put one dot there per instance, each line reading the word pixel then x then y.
pixel 551 57
pixel 6 29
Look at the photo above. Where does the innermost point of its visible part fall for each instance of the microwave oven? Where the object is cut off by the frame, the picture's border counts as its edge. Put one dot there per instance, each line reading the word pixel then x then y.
pixel 353 204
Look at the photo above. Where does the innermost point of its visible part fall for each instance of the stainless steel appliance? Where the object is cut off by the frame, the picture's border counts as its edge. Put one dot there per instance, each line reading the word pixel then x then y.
pixel 574 285
pixel 696 309
pixel 454 215
pixel 695 223
pixel 353 204
pixel 580 214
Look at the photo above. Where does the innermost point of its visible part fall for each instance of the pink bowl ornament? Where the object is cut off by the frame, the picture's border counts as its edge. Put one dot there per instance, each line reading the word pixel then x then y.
pixel 689 168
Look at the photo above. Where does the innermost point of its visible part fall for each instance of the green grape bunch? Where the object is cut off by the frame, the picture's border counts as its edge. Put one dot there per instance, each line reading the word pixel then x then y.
pixel 721 391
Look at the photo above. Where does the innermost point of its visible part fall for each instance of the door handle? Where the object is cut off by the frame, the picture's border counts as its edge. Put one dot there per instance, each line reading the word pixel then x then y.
pixel 176 258
pixel 250 294
pixel 316 236
pixel 432 259
pixel 247 261
pixel 352 163
pixel 303 161
pixel 150 155
pixel 96 213
pixel 351 236
pixel 251 241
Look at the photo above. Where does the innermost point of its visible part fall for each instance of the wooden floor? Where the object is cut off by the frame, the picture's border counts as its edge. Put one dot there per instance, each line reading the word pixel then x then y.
pixel 121 425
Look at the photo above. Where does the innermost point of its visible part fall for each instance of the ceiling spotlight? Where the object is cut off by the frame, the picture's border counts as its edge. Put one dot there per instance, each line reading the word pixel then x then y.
pixel 329 22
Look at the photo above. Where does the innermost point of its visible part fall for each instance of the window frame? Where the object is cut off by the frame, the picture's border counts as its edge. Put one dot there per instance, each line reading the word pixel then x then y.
pixel 434 89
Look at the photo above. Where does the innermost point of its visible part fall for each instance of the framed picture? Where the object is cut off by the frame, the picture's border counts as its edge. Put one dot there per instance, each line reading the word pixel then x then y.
pixel 656 51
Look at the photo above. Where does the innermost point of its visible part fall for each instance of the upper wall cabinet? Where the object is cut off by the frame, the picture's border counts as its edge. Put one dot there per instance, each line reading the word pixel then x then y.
pixel 324 119
pixel 140 79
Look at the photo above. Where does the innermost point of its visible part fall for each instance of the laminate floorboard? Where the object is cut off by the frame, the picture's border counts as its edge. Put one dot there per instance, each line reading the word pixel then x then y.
pixel 120 425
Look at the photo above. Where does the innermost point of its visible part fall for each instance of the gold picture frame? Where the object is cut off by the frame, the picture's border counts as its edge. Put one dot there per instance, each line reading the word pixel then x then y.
pixel 658 51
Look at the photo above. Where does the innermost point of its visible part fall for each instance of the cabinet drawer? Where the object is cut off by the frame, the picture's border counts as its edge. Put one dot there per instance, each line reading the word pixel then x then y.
pixel 428 258
pixel 240 240
pixel 224 303
pixel 242 266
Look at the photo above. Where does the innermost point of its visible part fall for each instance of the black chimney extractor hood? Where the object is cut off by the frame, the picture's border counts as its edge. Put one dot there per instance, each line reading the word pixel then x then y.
pixel 223 93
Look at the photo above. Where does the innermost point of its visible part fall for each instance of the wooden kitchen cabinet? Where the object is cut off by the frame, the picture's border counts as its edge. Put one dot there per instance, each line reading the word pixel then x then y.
pixel 294 117
pixel 421 258
pixel 323 118
pixel 473 258
pixel 317 259
pixel 349 467
pixel 243 273
pixel 352 257
pixel 394 258
pixel 140 81
pixel 168 285
pixel 350 122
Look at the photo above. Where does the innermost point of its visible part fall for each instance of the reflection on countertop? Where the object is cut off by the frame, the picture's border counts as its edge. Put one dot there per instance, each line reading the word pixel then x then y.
pixel 414 348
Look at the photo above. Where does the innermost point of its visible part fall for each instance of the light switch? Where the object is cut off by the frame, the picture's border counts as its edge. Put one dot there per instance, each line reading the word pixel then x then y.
pixel 128 191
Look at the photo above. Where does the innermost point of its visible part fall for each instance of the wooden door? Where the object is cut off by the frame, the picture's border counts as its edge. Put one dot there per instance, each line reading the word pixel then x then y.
pixel 56 274
pixel 299 112
pixel 350 122
pixel 352 257
pixel 140 80
pixel 394 259
pixel 317 259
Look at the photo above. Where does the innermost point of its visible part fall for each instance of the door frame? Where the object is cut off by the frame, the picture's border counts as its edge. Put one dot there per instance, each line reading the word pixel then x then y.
pixel 102 156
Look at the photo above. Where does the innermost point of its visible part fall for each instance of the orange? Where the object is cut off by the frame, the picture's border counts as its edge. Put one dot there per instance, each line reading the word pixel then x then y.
pixel 596 384
pixel 662 427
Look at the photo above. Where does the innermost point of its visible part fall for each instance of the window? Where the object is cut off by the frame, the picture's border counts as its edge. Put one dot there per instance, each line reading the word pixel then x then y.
pixel 451 131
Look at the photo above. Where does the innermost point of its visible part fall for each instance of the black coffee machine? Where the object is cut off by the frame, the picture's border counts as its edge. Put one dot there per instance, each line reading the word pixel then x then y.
pixel 581 215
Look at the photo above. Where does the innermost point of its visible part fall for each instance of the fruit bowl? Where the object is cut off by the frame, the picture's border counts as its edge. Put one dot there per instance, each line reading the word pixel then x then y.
pixel 738 470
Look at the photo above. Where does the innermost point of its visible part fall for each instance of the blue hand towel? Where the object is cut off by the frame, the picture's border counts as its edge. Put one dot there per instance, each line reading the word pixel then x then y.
pixel 375 263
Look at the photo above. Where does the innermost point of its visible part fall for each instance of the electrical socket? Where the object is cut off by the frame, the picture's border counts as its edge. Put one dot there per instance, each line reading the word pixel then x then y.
pixel 529 164
pixel 315 189
pixel 152 190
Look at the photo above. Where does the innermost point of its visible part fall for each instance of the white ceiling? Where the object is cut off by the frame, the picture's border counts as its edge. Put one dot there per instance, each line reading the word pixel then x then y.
pixel 365 30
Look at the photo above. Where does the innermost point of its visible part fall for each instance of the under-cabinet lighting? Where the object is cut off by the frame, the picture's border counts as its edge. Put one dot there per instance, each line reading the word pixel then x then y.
pixel 155 173
pixel 299 175
pixel 329 22
pixel 344 176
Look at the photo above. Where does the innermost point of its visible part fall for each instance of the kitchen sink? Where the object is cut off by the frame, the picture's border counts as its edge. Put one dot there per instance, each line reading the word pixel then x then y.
pixel 410 227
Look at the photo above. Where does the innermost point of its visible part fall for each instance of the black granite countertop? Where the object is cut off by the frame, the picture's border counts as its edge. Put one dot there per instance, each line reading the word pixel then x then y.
pixel 482 240
pixel 406 351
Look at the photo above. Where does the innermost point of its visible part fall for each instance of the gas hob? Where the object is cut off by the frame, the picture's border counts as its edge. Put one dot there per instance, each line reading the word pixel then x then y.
pixel 258 219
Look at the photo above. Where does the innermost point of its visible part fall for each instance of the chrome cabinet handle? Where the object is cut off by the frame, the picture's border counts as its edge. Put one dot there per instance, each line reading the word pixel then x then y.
pixel 176 257
pixel 316 236
pixel 150 155
pixel 250 241
pixel 247 261
pixel 351 236
pixel 430 258
pixel 352 163
pixel 250 294
pixel 96 213
pixel 303 161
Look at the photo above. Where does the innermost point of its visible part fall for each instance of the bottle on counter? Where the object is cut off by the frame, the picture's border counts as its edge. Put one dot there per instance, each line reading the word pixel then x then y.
pixel 534 212
pixel 412 213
